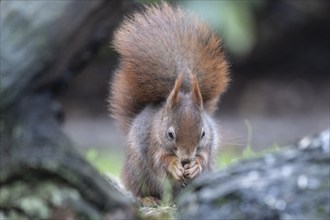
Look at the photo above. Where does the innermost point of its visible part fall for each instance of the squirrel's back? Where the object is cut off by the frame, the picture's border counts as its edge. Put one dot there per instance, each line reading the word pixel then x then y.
pixel 157 45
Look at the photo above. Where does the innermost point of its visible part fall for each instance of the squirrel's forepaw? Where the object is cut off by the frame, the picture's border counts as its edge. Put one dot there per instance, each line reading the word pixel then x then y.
pixel 192 169
pixel 177 172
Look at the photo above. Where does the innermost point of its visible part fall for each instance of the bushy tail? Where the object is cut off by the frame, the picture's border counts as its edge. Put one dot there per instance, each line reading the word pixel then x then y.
pixel 157 45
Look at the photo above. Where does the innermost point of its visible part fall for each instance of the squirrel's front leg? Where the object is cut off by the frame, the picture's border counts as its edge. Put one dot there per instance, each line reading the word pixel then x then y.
pixel 195 167
pixel 174 168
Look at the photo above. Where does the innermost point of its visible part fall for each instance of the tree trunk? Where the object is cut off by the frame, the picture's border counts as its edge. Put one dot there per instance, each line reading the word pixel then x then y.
pixel 44 43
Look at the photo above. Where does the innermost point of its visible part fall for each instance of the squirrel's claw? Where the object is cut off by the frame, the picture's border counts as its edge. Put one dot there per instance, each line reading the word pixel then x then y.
pixel 192 169
pixel 177 173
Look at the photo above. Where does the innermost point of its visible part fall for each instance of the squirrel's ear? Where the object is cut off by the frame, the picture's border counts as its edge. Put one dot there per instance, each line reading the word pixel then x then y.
pixel 174 97
pixel 195 91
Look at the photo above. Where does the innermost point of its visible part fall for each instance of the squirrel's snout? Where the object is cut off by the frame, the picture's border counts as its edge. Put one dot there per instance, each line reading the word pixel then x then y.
pixel 184 162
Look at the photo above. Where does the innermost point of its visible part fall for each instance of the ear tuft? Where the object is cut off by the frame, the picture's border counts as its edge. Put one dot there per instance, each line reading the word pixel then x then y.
pixel 174 98
pixel 195 91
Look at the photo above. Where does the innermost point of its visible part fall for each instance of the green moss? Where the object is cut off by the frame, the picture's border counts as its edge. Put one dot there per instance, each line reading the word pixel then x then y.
pixel 158 213
pixel 321 211
pixel 37 200
pixel 34 206
pixel 23 197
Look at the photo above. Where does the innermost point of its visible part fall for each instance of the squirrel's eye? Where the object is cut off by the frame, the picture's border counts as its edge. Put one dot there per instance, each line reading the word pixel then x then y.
pixel 170 133
pixel 203 134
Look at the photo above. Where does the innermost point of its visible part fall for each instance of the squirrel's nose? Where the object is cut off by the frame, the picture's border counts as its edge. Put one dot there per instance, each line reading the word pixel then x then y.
pixel 184 162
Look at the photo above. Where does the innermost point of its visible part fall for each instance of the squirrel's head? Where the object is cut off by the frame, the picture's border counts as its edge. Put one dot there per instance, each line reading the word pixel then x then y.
pixel 185 129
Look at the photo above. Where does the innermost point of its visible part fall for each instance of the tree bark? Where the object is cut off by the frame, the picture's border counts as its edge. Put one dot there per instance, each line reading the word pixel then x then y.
pixel 44 43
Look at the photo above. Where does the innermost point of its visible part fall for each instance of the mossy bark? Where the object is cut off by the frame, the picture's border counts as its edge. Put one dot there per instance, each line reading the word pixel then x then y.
pixel 43 44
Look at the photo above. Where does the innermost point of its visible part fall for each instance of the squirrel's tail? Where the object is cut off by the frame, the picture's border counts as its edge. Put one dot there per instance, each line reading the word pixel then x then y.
pixel 156 46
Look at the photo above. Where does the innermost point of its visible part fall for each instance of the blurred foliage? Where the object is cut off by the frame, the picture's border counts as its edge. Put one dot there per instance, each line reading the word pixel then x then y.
pixel 106 162
pixel 233 20
pixel 225 159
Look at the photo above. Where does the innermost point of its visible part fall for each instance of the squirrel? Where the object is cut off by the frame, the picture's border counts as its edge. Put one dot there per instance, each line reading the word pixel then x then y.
pixel 171 73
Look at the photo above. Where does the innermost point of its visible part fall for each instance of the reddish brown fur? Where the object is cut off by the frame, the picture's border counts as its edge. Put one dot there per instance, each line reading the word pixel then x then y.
pixel 155 47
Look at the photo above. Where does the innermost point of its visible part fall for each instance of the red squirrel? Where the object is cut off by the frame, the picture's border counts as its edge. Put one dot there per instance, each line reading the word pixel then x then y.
pixel 171 74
